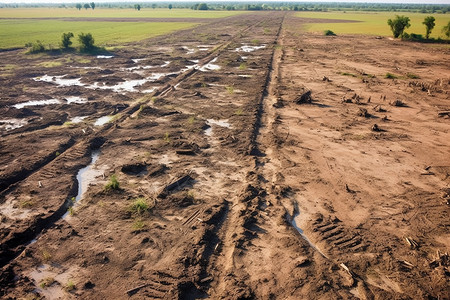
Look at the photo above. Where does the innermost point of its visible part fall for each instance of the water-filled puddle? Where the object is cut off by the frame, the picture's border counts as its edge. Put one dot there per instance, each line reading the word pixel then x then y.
pixel 60 80
pixel 51 280
pixel 105 56
pixel 37 103
pixel 76 120
pixel 85 177
pixel 125 86
pixel 248 48
pixel 75 99
pixel 210 66
pixel 165 64
pixel 103 120
pixel 11 124
pixel 221 123
pixel 189 50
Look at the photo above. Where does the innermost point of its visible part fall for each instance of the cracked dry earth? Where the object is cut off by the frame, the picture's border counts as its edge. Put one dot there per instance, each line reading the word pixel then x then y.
pixel 254 146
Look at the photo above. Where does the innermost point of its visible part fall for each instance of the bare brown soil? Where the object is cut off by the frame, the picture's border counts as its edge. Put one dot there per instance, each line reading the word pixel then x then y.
pixel 254 191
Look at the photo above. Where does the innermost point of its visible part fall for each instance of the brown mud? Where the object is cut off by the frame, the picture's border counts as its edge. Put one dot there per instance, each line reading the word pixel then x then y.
pixel 252 192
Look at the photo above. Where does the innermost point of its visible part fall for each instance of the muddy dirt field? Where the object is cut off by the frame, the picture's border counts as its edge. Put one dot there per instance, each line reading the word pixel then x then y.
pixel 241 159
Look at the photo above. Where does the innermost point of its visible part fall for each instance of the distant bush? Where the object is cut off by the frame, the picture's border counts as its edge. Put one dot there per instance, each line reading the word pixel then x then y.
pixel 36 47
pixel 86 42
pixel 65 40
pixel 329 33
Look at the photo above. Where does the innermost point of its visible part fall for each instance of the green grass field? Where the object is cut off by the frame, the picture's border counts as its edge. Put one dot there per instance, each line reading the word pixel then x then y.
pixel 16 33
pixel 44 12
pixel 372 23
pixel 19 26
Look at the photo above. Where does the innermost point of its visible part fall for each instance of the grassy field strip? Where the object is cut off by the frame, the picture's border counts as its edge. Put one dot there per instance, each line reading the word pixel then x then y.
pixel 16 33
pixel 372 23
pixel 43 12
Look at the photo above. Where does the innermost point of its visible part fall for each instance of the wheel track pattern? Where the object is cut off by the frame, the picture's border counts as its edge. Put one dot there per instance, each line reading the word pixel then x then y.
pixel 79 149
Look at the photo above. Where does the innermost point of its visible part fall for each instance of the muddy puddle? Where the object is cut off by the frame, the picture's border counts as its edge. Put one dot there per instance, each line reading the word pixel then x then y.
pixel 125 86
pixel 211 66
pixel 85 177
pixel 222 123
pixel 11 124
pixel 37 103
pixel 14 210
pixel 248 48
pixel 103 120
pixel 60 80
pixel 75 99
pixel 79 119
pixel 52 281
pixel 146 67
pixel 188 50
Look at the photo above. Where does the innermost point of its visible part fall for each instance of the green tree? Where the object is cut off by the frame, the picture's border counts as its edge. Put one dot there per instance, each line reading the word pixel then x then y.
pixel 137 7
pixel 65 40
pixel 86 6
pixel 79 6
pixel 446 30
pixel 153 5
pixel 86 42
pixel 429 24
pixel 202 6
pixel 398 25
pixel 170 6
pixel 92 5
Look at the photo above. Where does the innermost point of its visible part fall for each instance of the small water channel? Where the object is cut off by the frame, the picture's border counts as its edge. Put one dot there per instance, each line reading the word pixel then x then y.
pixel 293 221
pixel 85 176
pixel 36 103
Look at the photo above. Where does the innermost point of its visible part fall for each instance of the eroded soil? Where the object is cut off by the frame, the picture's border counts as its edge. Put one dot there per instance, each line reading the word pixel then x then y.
pixel 254 191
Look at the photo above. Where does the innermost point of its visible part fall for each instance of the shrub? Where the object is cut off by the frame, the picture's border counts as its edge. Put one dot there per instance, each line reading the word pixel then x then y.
pixel 113 183
pixel 140 206
pixel 329 33
pixel 65 40
pixel 36 47
pixel 86 42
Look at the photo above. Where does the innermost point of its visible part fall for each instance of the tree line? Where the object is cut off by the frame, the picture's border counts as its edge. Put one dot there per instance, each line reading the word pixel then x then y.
pixel 290 5
pixel 400 23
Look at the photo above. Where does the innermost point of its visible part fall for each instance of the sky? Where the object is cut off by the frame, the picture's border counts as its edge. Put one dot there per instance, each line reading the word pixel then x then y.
pixel 356 1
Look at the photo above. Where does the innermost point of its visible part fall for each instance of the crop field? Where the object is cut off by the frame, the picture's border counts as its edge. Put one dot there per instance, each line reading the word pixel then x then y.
pixel 371 23
pixel 240 157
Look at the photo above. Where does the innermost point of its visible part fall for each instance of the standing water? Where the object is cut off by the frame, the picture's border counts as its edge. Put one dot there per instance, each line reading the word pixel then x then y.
pixel 294 224
pixel 84 177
